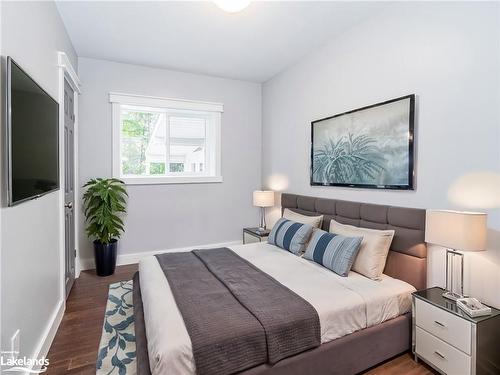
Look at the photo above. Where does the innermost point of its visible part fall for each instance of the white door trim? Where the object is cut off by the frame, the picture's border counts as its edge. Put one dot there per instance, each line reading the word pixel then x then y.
pixel 72 77
pixel 67 73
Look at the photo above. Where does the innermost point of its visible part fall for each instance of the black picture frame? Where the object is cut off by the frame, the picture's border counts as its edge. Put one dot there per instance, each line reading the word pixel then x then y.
pixel 410 185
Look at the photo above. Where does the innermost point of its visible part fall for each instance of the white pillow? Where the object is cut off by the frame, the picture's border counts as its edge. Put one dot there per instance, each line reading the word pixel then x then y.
pixel 373 251
pixel 314 221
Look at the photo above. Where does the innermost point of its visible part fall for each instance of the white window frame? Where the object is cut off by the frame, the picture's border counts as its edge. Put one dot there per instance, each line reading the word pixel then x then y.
pixel 216 109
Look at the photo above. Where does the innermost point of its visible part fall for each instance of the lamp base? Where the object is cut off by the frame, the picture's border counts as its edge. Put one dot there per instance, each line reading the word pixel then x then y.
pixel 454 275
pixel 452 296
pixel 262 224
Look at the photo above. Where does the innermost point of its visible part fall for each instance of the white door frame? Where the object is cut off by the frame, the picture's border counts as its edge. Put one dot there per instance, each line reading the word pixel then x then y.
pixel 67 73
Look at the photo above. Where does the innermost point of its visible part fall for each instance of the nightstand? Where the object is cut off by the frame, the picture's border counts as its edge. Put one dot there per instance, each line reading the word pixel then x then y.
pixel 449 340
pixel 256 234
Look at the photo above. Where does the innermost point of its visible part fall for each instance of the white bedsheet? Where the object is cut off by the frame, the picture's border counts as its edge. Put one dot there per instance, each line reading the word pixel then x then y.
pixel 344 304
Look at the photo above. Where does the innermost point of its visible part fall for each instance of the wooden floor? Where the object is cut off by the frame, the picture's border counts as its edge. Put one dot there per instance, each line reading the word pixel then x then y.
pixel 74 350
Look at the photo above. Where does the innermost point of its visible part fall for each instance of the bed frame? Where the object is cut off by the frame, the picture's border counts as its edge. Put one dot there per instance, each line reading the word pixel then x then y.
pixel 351 354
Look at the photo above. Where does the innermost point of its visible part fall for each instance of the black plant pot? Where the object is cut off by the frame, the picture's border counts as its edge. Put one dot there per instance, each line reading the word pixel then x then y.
pixel 105 257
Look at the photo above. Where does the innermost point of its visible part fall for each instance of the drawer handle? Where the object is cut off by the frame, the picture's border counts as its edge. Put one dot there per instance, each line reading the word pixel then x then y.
pixel 440 324
pixel 439 354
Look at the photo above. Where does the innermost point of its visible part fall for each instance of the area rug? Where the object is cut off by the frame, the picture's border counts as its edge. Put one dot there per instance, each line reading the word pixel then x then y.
pixel 117 354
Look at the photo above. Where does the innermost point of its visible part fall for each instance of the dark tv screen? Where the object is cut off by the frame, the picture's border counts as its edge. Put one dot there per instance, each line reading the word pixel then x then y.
pixel 33 140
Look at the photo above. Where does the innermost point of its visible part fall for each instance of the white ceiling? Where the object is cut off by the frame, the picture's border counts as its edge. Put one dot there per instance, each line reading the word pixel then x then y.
pixel 198 37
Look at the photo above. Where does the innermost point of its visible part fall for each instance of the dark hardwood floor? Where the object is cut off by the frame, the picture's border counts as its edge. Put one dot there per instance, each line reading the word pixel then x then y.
pixel 74 350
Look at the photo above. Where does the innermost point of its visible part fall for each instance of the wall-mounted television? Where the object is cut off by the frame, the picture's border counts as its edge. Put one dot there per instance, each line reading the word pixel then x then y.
pixel 369 147
pixel 32 137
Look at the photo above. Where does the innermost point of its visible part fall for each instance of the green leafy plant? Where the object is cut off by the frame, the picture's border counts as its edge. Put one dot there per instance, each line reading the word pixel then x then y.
pixel 104 201
pixel 348 159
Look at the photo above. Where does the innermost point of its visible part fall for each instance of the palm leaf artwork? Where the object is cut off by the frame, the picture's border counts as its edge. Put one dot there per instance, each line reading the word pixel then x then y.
pixel 104 202
pixel 349 159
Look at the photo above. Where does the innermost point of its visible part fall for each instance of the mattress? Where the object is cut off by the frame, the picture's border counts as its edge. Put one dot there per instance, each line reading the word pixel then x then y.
pixel 344 304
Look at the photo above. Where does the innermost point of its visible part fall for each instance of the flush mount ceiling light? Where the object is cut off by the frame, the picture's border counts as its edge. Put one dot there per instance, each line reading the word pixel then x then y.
pixel 232 6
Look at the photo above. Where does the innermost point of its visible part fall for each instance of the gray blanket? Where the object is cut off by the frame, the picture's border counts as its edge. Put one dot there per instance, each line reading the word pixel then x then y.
pixel 236 315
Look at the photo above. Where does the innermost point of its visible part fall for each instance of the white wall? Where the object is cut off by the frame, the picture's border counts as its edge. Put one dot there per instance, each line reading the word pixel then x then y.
pixel 32 33
pixel 171 216
pixel 446 53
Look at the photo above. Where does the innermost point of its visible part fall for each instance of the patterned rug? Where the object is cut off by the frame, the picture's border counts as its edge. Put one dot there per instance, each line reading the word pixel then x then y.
pixel 117 347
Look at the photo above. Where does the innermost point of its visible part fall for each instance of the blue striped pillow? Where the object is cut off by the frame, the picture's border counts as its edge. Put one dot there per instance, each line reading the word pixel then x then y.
pixel 290 235
pixel 333 251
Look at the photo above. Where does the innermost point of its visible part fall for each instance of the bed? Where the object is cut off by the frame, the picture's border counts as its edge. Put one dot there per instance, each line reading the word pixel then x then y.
pixel 363 322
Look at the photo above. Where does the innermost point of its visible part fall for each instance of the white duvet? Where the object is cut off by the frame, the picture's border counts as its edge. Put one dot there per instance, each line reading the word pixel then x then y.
pixel 344 304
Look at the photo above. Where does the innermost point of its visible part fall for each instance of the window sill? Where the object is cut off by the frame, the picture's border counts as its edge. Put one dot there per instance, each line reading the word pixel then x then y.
pixel 171 180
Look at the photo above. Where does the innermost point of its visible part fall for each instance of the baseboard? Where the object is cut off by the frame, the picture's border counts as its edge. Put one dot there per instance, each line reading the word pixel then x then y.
pixel 43 347
pixel 124 259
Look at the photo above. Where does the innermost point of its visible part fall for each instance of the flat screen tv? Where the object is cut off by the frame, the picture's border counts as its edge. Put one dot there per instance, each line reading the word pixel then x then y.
pixel 32 137
pixel 369 147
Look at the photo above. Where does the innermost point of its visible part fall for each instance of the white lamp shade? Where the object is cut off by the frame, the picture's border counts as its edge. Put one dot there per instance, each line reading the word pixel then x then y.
pixel 456 230
pixel 263 198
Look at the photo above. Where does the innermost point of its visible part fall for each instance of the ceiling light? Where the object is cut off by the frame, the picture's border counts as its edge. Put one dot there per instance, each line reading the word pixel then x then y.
pixel 232 6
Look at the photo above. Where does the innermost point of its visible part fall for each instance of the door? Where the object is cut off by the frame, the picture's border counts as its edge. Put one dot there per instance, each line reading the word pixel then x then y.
pixel 69 186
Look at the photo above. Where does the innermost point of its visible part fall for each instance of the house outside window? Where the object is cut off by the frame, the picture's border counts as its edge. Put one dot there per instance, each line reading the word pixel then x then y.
pixel 161 141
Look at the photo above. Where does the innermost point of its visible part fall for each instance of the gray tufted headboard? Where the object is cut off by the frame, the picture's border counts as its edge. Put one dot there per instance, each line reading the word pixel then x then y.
pixel 407 259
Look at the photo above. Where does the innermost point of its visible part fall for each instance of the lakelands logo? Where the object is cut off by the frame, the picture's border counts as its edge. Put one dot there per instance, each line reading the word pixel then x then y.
pixel 11 363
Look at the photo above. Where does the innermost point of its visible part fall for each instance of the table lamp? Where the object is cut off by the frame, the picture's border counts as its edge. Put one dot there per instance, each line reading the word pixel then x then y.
pixel 457 231
pixel 263 199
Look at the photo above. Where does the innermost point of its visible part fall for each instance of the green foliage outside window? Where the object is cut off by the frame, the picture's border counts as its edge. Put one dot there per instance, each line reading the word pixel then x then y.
pixel 137 128
pixel 176 167
pixel 157 168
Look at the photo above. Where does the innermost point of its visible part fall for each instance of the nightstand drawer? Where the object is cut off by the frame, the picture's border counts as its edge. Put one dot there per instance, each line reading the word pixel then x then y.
pixel 446 326
pixel 442 355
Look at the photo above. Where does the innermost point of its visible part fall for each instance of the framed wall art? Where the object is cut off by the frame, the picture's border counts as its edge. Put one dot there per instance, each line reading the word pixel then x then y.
pixel 369 147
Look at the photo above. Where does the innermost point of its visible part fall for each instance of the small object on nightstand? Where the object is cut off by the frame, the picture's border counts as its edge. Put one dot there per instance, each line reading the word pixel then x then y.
pixel 450 340
pixel 259 233
pixel 473 307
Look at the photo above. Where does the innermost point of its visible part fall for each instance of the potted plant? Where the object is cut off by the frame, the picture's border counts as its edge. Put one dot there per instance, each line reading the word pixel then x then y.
pixel 103 202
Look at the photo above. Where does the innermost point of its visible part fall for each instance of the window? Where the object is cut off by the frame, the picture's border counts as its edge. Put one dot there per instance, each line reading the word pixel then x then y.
pixel 158 140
